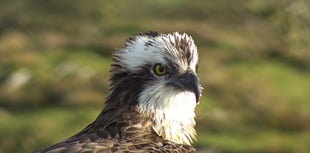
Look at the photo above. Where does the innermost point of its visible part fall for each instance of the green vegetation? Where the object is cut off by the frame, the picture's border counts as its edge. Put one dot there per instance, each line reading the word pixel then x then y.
pixel 254 65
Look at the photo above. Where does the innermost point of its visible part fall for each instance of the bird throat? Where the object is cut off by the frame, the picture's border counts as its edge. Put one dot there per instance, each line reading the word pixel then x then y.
pixel 173 118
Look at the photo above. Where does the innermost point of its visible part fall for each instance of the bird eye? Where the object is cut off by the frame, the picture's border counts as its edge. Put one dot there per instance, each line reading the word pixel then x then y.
pixel 160 69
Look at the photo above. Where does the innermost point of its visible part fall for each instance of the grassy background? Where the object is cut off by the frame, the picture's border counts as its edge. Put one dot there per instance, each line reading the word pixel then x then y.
pixel 254 66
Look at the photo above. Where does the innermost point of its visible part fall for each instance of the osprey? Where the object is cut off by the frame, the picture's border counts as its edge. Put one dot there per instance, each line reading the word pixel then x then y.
pixel 153 93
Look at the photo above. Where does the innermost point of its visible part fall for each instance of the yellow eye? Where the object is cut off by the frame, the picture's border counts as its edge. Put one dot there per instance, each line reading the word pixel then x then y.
pixel 159 69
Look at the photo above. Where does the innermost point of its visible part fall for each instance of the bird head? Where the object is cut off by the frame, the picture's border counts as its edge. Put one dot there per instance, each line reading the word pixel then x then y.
pixel 158 73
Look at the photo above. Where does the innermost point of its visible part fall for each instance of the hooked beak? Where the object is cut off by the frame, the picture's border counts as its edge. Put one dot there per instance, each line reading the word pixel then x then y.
pixel 189 82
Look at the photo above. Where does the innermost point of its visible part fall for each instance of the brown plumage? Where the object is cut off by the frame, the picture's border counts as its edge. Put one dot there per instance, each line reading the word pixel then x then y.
pixel 141 112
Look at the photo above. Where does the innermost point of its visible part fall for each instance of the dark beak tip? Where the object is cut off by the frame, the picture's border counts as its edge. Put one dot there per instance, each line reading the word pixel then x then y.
pixel 197 89
pixel 198 95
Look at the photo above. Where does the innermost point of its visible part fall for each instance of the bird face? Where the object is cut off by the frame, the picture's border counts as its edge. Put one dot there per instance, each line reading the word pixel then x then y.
pixel 162 67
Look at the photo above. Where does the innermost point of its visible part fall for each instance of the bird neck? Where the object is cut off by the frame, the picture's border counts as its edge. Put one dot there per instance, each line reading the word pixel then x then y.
pixel 171 127
pixel 134 126
pixel 174 121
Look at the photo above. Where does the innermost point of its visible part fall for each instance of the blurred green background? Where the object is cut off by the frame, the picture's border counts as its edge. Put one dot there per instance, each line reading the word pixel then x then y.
pixel 254 65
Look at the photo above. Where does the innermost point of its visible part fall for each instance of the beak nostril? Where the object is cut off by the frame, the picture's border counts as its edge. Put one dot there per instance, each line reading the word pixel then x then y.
pixel 182 79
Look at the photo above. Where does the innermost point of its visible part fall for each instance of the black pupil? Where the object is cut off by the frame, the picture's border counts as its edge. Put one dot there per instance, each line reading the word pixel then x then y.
pixel 161 68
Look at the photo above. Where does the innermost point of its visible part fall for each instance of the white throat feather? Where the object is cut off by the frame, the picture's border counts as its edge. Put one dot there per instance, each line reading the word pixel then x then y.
pixel 172 113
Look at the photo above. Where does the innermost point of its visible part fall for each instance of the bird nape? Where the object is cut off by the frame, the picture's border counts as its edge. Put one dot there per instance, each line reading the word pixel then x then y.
pixel 151 107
